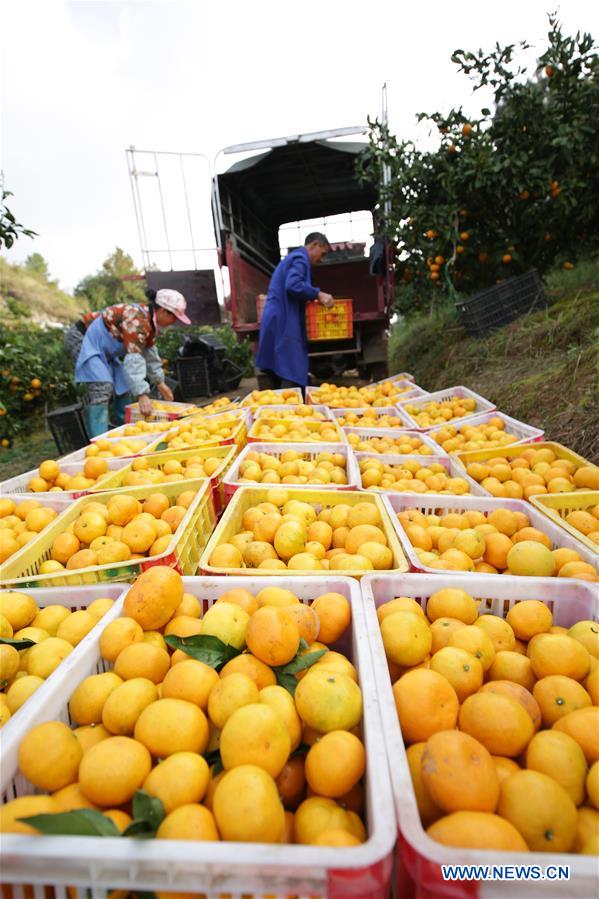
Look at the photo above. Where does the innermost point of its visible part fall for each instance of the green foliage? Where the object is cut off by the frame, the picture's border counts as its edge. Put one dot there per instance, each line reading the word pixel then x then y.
pixel 10 229
pixel 240 352
pixel 117 281
pixel 505 192
pixel 25 293
pixel 28 355
pixel 35 262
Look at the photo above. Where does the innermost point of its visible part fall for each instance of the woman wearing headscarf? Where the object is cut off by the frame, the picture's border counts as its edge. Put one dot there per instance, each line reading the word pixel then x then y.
pixel 117 356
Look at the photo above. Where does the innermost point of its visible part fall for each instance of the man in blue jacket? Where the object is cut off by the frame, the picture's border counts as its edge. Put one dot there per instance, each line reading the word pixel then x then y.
pixel 283 345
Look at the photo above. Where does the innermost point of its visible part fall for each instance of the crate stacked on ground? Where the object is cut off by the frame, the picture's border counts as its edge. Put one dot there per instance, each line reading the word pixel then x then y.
pixel 32 483
pixel 272 397
pixel 489 309
pixel 287 545
pixel 411 473
pixel 179 466
pixel 214 866
pixel 413 715
pixel 528 470
pixel 67 426
pixel 136 429
pixel 161 411
pixel 379 394
pixel 219 429
pixel 286 430
pixel 342 457
pixel 486 431
pixel 392 440
pixel 577 513
pixel 295 410
pixel 367 417
pixel 521 540
pixel 116 447
pixel 69 619
pixel 193 526
pixel 22 518
pixel 454 404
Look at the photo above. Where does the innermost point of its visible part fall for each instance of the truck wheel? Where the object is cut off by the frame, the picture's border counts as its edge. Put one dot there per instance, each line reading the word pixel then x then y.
pixel 376 371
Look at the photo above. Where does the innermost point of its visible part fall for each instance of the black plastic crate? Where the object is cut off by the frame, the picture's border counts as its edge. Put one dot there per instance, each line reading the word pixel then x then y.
pixel 67 425
pixel 200 377
pixel 496 306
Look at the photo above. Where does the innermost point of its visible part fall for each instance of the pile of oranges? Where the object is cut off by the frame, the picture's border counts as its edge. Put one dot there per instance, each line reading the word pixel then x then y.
pixel 292 759
pixel 199 429
pixel 531 473
pixel 376 395
pixel 51 479
pixel 492 433
pixel 107 449
pixel 293 467
pixel 272 397
pixel 145 470
pixel 369 418
pixel 20 523
pixel 404 444
pixel 54 630
pixel 410 477
pixel 500 719
pixel 293 430
pixel 429 413
pixel 500 542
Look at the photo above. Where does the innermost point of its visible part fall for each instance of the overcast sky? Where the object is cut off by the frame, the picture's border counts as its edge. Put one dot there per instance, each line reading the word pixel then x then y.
pixel 84 80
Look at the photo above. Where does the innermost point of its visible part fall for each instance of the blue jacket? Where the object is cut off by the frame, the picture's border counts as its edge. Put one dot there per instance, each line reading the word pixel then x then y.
pixel 283 345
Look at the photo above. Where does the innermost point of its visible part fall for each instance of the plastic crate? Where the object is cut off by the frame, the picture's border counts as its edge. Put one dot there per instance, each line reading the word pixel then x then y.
pixel 290 411
pixel 56 501
pixel 247 497
pixel 398 376
pixel 557 505
pixel 313 426
pixel 455 471
pixel 312 396
pixel 515 450
pixel 159 460
pixel 523 432
pixel 198 377
pixel 182 553
pixel 497 306
pixel 433 503
pixel 216 869
pixel 239 419
pixel 394 434
pixel 391 411
pixel 74 599
pixel 149 441
pixel 308 451
pixel 160 412
pixel 419 858
pixel 18 484
pixel 248 401
pixel 450 393
pixel 156 428
pixel 332 323
pixel 67 425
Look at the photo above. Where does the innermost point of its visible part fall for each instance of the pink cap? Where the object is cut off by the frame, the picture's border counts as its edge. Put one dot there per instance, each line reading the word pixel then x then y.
pixel 174 302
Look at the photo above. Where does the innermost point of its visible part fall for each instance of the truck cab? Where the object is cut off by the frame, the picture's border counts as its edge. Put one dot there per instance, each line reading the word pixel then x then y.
pixel 295 181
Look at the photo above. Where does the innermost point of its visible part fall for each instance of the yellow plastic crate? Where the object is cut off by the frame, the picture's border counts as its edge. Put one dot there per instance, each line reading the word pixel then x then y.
pixel 515 451
pixel 238 436
pixel 158 460
pixel 557 505
pixel 182 553
pixel 313 426
pixel 332 323
pixel 247 497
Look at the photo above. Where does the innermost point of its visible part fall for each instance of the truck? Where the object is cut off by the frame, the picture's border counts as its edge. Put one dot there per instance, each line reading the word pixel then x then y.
pixel 295 179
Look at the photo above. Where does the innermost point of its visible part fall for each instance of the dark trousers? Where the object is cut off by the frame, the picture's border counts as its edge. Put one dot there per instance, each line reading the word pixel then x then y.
pixel 277 383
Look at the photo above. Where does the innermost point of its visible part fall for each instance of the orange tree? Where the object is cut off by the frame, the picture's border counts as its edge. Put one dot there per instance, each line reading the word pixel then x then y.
pixel 511 190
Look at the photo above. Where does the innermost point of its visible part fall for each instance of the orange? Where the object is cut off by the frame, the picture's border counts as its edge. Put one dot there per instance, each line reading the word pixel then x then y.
pixel 559 756
pixel 581 570
pixel 89 526
pixel 534 535
pixel 335 763
pixel 406 637
pixel 497 721
pixel 477 830
pixel 247 807
pixel 530 558
pixel 558 695
pixel 500 632
pixel 559 654
pixel 156 504
pixel 429 812
pixel 462 670
pixel 49 470
pixel 64 547
pixel 540 809
pixel 94 468
pixel 246 663
pixel 142 660
pixel 188 822
pixel 441 630
pixel 38 519
pixel 476 642
pixel 307 621
pixel 503 519
pixel 563 555
pixel 326 701
pixel 49 756
pixel 583 726
pixel 459 773
pixel 426 703
pixel 363 533
pixel 228 695
pixel 180 779
pixel 272 636
pixel 399 604
pixel 520 694
pixel 513 666
pixel 451 602
pixel 138 535
pixel 291 782
pixel 497 547
pixel 85 558
pixel 592 784
pixel 587 633
pixel 183 626
pixel 125 704
pixel 316 815
pixel 241 597
pixel 174 516
pixel 255 735
pixel 119 633
pixel 191 680
pixel 172 725
pixel 528 618
pixel 336 837
pixel 334 615
pixel 504 766
pixel 154 597
pixel 24 807
pixel 112 770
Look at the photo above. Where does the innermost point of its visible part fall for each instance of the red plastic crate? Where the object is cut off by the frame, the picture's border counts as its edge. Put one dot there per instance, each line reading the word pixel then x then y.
pixel 334 323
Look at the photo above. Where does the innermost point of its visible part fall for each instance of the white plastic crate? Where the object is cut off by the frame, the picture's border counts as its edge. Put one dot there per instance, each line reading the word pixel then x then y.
pixel 418 856
pixel 248 401
pixel 452 468
pixel 433 503
pixel 231 481
pixel 392 411
pixel 18 484
pixel 149 441
pixel 290 409
pixel 398 376
pixel 482 404
pixel 212 868
pixel 525 433
pixel 162 428
pixel 74 598
pixel 159 413
pixel 394 434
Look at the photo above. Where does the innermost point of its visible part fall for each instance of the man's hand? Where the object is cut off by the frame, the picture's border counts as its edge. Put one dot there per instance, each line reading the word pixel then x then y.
pixel 325 299
pixel 165 392
pixel 145 405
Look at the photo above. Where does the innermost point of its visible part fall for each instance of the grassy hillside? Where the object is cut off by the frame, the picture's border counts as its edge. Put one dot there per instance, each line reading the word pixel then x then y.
pixel 26 296
pixel 541 369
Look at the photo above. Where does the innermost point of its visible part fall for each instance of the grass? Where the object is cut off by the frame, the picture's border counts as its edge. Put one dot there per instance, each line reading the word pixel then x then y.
pixel 28 296
pixel 541 369
pixel 26 454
